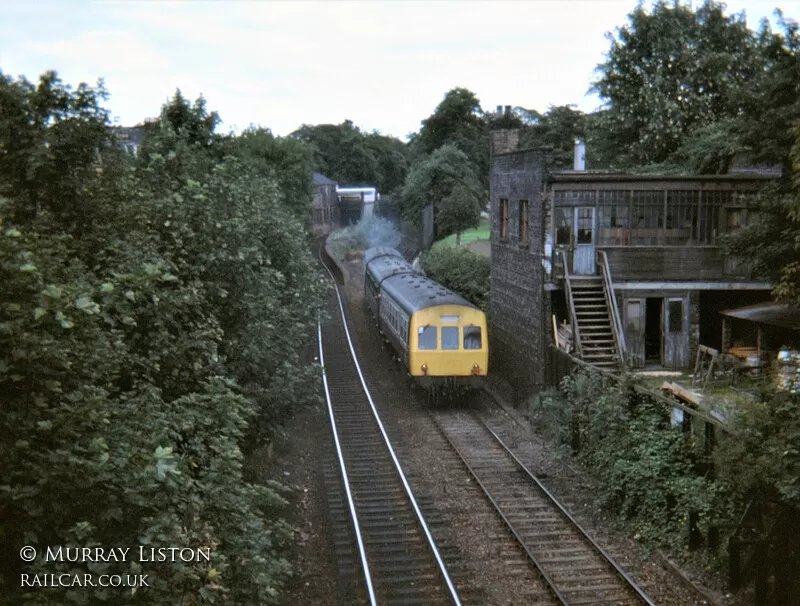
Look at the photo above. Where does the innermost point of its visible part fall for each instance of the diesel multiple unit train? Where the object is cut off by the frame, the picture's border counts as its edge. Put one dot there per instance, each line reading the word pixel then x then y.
pixel 440 337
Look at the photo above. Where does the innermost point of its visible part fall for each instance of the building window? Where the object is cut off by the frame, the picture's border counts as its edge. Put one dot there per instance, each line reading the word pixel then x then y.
pixel 427 337
pixel 675 317
pixel 523 221
pixel 708 214
pixel 562 219
pixel 612 217
pixel 634 316
pixel 647 217
pixel 503 219
pixel 681 217
pixel 585 225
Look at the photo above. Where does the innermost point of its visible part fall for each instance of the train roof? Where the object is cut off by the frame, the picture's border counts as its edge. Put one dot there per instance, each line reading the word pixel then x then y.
pixel 413 292
pixel 383 262
pixel 401 282
pixel 380 251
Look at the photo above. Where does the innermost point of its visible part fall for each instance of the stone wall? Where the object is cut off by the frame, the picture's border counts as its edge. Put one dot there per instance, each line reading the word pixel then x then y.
pixel 519 306
pixel 503 141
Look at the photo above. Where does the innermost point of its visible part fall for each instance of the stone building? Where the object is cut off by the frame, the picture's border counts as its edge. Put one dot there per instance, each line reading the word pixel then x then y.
pixel 633 264
pixel 516 208
pixel 325 204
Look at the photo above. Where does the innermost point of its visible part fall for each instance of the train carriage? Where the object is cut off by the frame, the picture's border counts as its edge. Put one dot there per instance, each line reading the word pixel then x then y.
pixel 440 336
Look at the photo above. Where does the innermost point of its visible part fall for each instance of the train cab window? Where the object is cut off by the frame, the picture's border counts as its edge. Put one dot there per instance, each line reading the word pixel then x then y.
pixel 472 337
pixel 449 337
pixel 427 337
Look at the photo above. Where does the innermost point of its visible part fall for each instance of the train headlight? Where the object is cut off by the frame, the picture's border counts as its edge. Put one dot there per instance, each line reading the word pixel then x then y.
pixel 425 369
pixel 476 369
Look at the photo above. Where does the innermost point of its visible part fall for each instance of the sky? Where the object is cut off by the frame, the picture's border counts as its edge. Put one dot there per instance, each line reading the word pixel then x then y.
pixel 384 64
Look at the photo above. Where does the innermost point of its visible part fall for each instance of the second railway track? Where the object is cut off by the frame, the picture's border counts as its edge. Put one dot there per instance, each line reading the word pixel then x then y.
pixel 575 568
pixel 400 563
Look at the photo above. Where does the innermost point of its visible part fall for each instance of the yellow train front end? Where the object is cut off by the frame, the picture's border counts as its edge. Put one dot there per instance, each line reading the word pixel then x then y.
pixel 448 344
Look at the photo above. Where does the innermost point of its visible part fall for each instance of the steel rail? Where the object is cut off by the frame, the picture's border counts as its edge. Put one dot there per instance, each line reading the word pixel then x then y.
pixel 350 503
pixel 551 585
pixel 398 467
pixel 606 556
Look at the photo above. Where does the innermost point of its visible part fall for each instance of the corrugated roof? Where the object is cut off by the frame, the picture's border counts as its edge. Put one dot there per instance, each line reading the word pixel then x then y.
pixel 783 315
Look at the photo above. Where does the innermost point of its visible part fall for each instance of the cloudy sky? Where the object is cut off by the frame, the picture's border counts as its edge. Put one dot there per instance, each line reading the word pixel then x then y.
pixel 385 65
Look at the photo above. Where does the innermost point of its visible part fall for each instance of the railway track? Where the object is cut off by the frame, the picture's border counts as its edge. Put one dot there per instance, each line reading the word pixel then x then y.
pixel 399 561
pixel 575 569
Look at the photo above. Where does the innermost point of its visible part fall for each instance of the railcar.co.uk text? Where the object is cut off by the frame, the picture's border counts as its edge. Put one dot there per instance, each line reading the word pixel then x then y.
pixel 141 554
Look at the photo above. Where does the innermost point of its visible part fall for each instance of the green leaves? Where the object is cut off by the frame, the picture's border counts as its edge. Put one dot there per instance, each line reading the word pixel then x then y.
pixel 463 271
pixel 668 73
pixel 86 305
pixel 446 175
pixel 347 155
pixel 151 319
pixel 166 463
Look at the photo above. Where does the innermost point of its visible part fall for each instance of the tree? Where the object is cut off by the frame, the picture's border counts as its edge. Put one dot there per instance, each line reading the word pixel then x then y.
pixel 459 211
pixel 669 73
pixel 459 121
pixel 557 129
pixel 152 314
pixel 447 175
pixel 191 120
pixel 770 240
pixel 50 138
pixel 463 271
pixel 349 156
pixel 771 99
pixel 390 154
pixel 286 160
pixel 460 110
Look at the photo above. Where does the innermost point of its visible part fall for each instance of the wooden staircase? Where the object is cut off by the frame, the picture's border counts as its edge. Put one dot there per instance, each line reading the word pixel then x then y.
pixel 595 339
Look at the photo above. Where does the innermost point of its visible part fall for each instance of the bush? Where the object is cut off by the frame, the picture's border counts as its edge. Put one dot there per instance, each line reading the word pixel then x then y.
pixel 462 271
pixel 152 317
pixel 645 472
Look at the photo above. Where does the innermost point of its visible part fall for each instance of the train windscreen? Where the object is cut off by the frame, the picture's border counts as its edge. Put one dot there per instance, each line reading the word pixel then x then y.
pixel 472 337
pixel 427 337
pixel 449 337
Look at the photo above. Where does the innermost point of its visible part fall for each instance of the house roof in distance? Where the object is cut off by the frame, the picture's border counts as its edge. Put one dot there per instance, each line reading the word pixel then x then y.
pixel 320 179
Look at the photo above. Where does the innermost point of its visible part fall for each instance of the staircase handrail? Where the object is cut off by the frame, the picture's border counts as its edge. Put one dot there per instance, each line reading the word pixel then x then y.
pixel 611 301
pixel 576 333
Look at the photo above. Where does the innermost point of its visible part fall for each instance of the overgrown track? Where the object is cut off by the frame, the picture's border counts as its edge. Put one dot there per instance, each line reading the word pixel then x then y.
pixel 576 569
pixel 399 559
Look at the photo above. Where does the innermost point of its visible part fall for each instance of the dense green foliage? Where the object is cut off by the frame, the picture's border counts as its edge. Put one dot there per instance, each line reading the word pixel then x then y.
pixel 350 157
pixel 688 90
pixel 446 180
pixel 459 211
pixel 763 458
pixel 770 237
pixel 771 100
pixel 152 317
pixel 645 472
pixel 653 474
pixel 669 72
pixel 462 271
pixel 458 121
pixel 556 129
